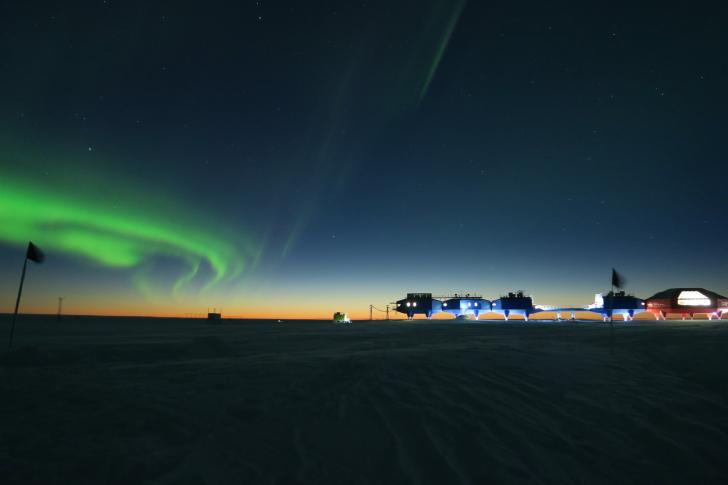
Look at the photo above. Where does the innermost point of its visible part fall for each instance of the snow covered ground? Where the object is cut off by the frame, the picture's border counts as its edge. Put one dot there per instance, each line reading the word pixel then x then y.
pixel 112 400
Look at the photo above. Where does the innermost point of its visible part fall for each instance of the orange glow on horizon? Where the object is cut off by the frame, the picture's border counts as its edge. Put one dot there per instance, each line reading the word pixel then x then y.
pixel 235 313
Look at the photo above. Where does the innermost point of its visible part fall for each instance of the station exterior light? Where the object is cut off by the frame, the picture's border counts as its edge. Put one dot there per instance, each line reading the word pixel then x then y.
pixel 408 303
pixel 414 303
pixel 444 304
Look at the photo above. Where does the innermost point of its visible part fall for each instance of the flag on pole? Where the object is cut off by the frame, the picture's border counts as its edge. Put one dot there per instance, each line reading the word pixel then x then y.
pixel 618 280
pixel 34 253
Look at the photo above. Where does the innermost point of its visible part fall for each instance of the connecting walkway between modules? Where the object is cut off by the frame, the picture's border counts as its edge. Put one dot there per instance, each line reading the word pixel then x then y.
pixel 565 316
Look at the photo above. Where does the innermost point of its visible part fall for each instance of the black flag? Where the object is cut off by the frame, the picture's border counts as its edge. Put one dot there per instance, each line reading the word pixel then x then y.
pixel 617 279
pixel 34 253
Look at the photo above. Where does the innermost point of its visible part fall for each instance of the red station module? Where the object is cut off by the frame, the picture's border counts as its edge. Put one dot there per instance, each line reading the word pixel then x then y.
pixel 686 302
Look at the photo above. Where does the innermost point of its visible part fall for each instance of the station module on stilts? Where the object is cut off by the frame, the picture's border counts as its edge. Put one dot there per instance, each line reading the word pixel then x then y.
pixel 463 306
pixel 418 304
pixel 514 304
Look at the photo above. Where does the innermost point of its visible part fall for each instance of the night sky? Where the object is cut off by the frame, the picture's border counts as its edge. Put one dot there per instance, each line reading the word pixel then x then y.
pixel 287 158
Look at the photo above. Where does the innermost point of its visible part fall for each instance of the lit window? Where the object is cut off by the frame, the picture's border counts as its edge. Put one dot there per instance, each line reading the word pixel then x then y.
pixel 692 298
pixel 470 304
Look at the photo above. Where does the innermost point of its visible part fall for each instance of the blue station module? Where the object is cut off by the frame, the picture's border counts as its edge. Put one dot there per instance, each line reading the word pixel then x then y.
pixel 466 305
pixel 419 304
pixel 620 303
pixel 513 303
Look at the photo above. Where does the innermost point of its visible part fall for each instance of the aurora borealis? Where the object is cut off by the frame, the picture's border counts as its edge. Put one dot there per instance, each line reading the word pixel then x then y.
pixel 282 159
pixel 79 227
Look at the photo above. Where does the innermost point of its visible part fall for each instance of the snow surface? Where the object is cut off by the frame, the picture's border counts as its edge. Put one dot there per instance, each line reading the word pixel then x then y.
pixel 114 400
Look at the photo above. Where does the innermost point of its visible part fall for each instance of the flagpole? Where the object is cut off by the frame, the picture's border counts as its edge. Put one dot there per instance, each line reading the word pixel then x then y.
pixel 611 313
pixel 17 302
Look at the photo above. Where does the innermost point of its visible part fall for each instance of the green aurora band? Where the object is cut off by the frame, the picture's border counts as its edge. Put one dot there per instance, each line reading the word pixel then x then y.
pixel 110 237
pixel 441 47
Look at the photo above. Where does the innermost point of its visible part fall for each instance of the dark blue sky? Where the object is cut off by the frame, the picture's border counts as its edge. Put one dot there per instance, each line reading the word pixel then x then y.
pixel 349 152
